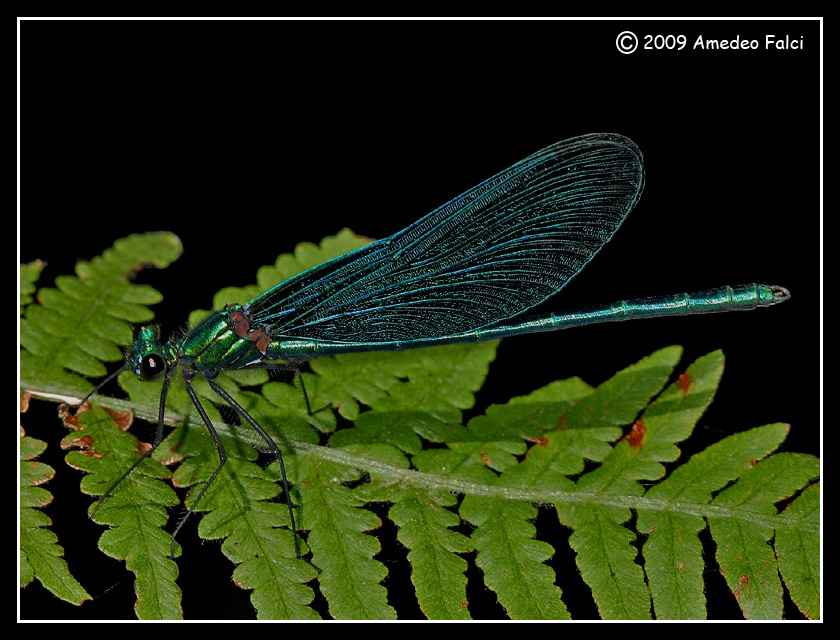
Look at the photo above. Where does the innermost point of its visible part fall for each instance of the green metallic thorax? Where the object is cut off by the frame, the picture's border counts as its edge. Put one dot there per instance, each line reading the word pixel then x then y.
pixel 214 345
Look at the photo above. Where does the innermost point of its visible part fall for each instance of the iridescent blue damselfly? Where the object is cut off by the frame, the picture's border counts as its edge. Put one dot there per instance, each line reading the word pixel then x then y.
pixel 464 273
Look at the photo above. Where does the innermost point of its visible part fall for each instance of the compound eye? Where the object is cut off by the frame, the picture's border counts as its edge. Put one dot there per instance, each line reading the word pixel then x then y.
pixel 151 367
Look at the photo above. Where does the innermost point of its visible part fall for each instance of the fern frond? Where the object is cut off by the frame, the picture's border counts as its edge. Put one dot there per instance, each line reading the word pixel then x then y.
pixel 136 513
pixel 29 274
pixel 41 557
pixel 603 461
pixel 87 318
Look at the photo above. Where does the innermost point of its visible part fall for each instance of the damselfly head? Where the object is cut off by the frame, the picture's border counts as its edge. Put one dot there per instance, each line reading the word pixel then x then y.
pixel 146 357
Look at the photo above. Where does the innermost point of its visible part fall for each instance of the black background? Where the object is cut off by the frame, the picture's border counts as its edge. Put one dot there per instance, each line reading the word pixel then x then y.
pixel 246 138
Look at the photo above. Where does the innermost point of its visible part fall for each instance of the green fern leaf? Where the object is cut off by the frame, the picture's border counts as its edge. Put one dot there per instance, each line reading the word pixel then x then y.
pixel 746 558
pixel 240 511
pixel 603 458
pixel 512 561
pixel 606 555
pixel 41 557
pixel 135 513
pixel 84 321
pixel 29 274
pixel 425 521
pixel 61 333
pixel 341 549
pixel 798 550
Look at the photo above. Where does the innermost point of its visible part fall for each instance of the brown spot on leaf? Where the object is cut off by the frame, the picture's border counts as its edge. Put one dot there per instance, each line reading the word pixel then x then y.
pixel 636 435
pixel 84 444
pixel 122 419
pixel 46 502
pixel 70 417
pixel 173 457
pixel 685 383
pixel 539 441
pixel 743 581
pixel 46 476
